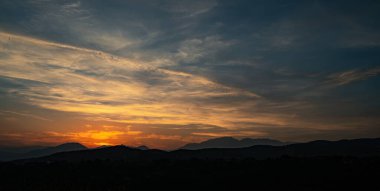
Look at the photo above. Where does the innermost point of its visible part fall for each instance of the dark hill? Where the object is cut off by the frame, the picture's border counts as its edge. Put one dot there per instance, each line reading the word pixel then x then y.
pixel 42 152
pixel 119 152
pixel 51 150
pixel 355 148
pixel 143 147
pixel 230 142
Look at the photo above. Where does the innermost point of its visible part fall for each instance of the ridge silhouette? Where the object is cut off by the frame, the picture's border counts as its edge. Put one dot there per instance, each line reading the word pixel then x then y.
pixel 354 148
pixel 317 165
pixel 42 151
pixel 230 142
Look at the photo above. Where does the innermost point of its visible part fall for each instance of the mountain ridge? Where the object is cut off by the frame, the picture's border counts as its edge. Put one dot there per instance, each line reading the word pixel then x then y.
pixel 354 148
pixel 71 146
pixel 230 142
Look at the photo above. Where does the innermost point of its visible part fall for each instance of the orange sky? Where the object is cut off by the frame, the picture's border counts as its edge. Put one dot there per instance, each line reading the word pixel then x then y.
pixel 166 74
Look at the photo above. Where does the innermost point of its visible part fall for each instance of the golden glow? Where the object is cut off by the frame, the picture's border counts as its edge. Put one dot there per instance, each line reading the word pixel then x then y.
pixel 99 135
pixel 101 87
pixel 103 136
pixel 83 81
pixel 103 144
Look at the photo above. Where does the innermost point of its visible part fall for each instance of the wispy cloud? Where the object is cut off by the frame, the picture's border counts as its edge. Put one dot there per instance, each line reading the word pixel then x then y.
pixel 350 76
pixel 93 82
pixel 192 50
pixel 182 71
pixel 28 115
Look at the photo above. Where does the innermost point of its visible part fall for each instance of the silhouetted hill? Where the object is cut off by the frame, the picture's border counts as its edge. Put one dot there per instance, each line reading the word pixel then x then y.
pixel 51 150
pixel 10 153
pixel 355 148
pixel 229 142
pixel 42 152
pixel 5 156
pixel 21 149
pixel 119 152
pixel 103 146
pixel 317 165
pixel 143 147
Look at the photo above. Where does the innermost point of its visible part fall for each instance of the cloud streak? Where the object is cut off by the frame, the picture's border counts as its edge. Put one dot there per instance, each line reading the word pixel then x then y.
pixel 96 83
pixel 182 71
pixel 347 77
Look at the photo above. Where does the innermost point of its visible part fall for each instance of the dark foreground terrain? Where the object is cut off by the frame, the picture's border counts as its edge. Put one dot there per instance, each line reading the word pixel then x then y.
pixel 317 173
pixel 318 165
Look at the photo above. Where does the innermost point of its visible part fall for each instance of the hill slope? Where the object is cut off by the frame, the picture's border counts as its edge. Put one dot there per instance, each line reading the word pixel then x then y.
pixel 356 148
pixel 230 142
pixel 5 156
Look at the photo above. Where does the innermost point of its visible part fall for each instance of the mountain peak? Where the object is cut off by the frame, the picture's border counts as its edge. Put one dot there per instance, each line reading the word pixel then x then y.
pixel 71 145
pixel 359 147
pixel 230 142
pixel 142 147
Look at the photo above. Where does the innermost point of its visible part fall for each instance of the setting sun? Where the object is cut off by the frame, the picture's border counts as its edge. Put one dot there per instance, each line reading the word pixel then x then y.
pixel 190 73
pixel 121 95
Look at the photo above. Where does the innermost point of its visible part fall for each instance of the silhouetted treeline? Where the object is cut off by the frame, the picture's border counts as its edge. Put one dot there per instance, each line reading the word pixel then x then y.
pixel 285 173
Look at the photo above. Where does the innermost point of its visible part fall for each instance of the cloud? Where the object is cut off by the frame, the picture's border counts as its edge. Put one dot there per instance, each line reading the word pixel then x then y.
pixel 74 23
pixel 96 83
pixel 232 134
pixel 91 134
pixel 163 67
pixel 102 87
pixel 192 50
pixel 347 77
pixel 28 115
pixel 189 8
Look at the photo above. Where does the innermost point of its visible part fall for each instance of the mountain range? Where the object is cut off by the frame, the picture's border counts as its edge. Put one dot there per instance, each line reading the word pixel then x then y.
pixel 354 148
pixel 39 151
pixel 230 142
pixel 7 154
pixel 42 151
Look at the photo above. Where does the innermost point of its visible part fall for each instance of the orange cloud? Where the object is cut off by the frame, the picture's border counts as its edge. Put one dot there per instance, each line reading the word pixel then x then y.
pixel 98 135
pixel 98 84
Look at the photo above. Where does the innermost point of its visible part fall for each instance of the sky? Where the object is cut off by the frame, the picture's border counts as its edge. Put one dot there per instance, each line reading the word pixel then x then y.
pixel 166 73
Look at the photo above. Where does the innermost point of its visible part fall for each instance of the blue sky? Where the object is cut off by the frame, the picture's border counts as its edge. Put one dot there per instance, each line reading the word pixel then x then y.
pixel 164 73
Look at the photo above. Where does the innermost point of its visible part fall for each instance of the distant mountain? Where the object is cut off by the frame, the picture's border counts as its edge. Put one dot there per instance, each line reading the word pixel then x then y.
pixel 51 150
pixel 229 142
pixel 119 152
pixel 103 146
pixel 21 149
pixel 355 148
pixel 142 147
pixel 4 156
